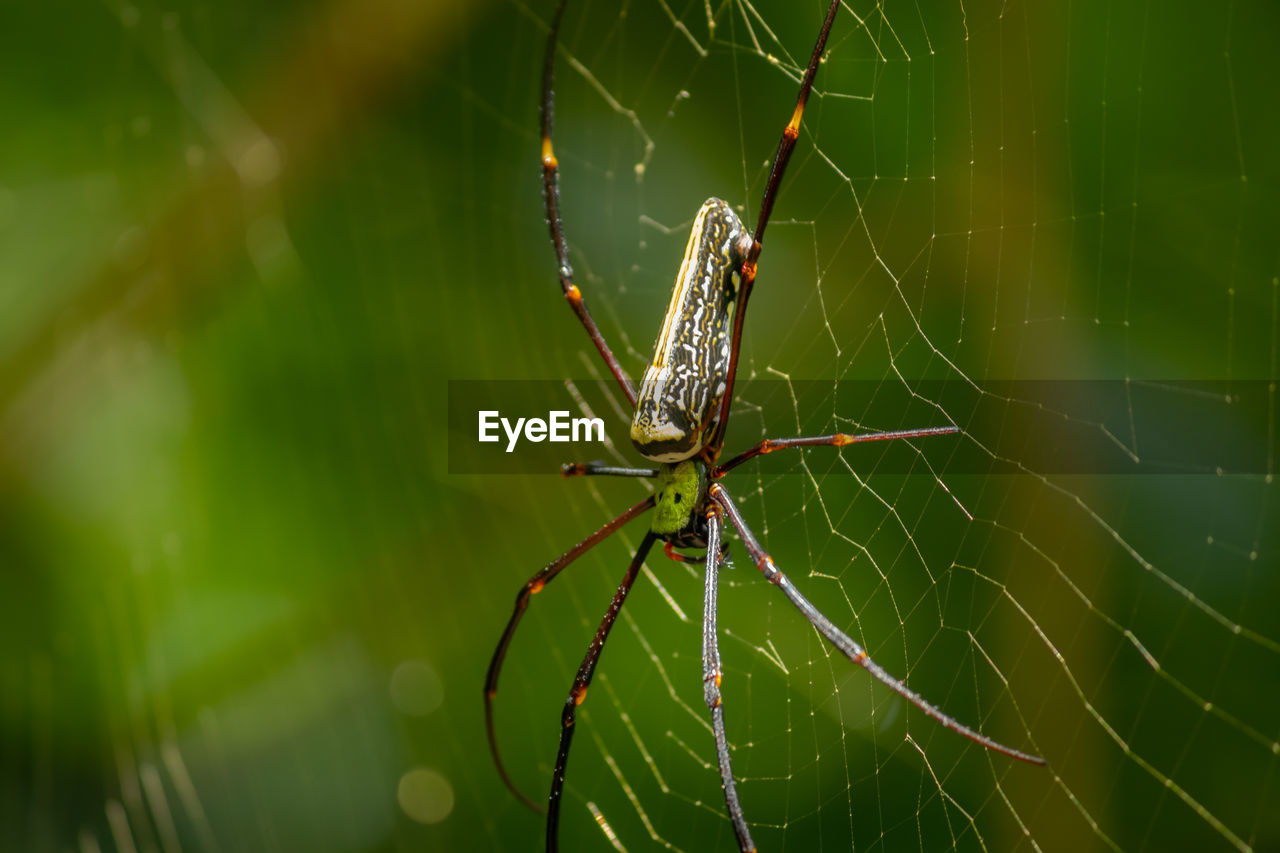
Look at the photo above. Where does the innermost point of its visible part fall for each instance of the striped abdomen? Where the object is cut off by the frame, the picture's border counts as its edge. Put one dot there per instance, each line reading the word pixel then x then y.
pixel 680 394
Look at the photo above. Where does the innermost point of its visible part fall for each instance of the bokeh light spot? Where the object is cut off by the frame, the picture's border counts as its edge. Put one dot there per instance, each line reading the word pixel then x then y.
pixel 425 795
pixel 416 690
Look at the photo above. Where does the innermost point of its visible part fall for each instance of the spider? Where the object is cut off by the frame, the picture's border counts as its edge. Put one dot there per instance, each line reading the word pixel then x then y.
pixel 680 416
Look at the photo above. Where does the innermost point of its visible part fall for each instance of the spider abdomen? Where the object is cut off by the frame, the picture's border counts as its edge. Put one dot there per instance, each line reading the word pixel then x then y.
pixel 679 400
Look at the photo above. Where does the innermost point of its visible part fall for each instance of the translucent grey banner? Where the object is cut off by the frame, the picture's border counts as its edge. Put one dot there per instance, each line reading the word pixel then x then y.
pixel 1110 427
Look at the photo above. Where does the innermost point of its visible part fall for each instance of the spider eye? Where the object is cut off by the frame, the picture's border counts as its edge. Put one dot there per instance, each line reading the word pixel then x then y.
pixel 679 497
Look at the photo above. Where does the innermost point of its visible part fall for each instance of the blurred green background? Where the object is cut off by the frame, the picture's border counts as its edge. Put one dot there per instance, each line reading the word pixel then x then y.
pixel 245 604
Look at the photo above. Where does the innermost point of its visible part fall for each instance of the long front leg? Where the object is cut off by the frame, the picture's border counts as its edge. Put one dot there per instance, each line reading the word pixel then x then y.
pixel 551 195
pixel 712 675
pixel 781 157
pixel 578 692
pixel 843 641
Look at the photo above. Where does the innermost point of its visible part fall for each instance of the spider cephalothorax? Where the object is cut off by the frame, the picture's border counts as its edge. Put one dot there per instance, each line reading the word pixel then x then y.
pixel 679 421
pixel 679 504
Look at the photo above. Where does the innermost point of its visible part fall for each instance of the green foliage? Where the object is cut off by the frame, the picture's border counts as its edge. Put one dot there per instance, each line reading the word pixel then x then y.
pixel 246 604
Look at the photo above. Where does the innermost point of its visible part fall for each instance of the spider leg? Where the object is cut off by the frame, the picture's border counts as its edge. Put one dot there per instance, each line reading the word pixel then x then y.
pixel 843 641
pixel 711 678
pixel 676 557
pixel 551 195
pixel 839 439
pixel 588 469
pixel 578 692
pixel 781 157
pixel 531 587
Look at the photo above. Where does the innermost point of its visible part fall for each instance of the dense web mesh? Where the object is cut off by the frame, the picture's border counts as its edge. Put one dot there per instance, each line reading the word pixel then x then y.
pixel 984 194
pixel 250 603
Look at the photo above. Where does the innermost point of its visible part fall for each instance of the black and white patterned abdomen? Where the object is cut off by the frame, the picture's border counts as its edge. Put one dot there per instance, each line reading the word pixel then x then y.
pixel 679 401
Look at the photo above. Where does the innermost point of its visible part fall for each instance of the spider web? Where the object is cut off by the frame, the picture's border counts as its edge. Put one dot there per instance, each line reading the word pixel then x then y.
pixel 984 194
pixel 248 605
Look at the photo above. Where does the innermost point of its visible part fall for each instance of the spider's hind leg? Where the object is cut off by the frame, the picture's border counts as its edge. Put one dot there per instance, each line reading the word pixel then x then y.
pixel 843 641
pixel 578 692
pixel 531 587
pixel 713 675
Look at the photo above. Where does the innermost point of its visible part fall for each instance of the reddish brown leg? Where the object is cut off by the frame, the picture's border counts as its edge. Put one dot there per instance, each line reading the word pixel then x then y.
pixel 551 194
pixel 578 692
pixel 532 587
pixel 781 158
pixel 838 439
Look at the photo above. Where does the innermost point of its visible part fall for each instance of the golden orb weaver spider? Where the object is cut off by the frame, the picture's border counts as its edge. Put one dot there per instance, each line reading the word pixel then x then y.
pixel 679 420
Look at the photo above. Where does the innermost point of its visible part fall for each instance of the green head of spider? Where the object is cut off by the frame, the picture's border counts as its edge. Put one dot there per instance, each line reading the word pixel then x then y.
pixel 682 491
